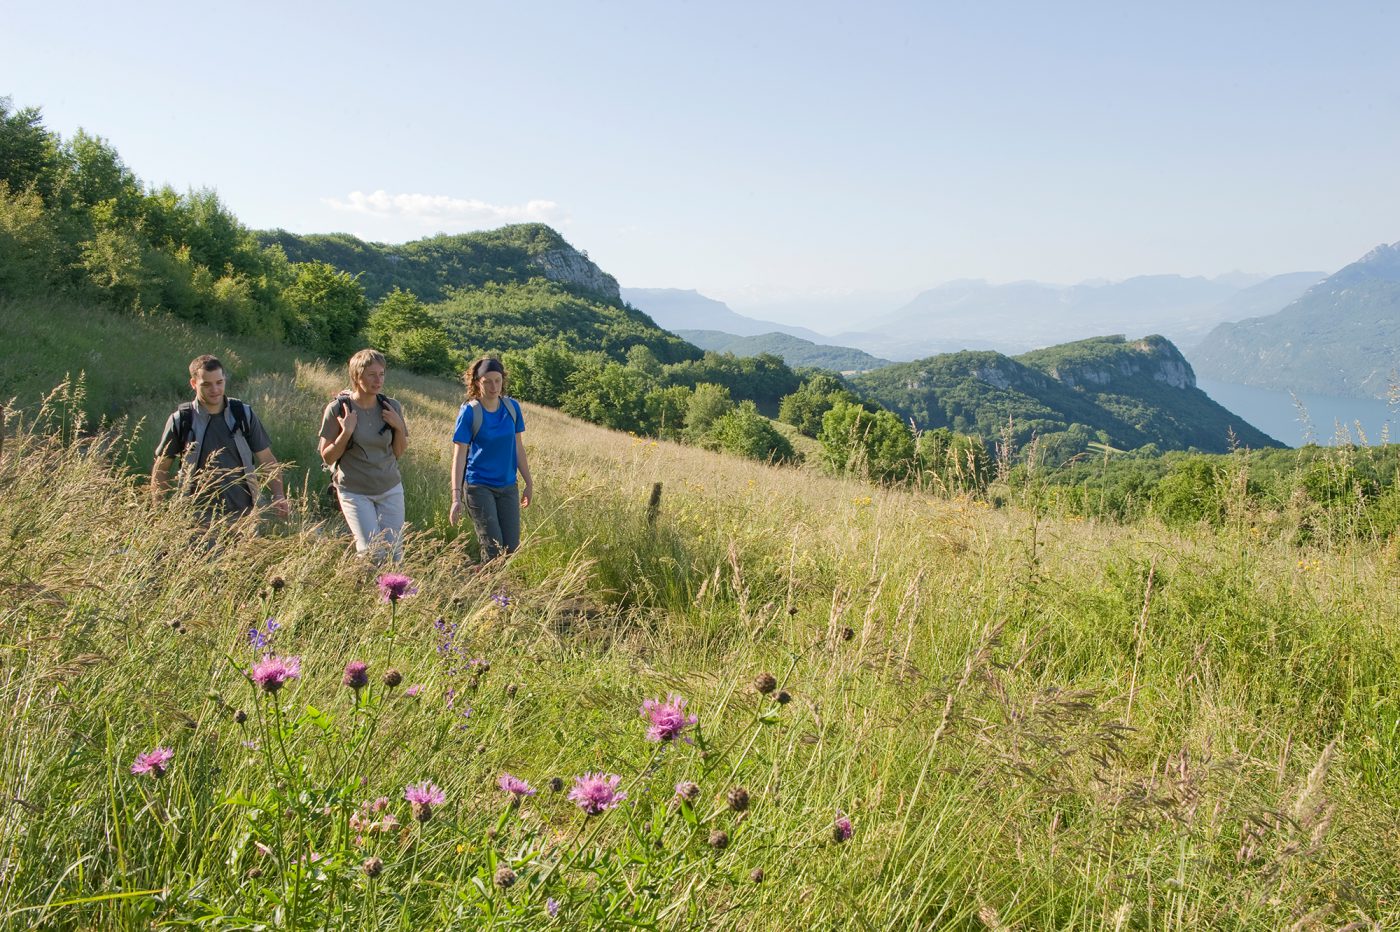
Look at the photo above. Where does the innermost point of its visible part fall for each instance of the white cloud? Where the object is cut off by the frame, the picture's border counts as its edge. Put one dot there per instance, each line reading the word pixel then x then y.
pixel 443 212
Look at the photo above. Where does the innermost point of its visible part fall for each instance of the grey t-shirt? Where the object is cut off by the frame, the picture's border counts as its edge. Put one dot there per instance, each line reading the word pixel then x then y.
pixel 368 466
pixel 220 453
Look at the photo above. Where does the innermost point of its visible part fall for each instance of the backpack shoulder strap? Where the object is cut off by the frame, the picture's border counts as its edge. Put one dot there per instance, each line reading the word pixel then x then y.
pixel 184 427
pixel 476 417
pixel 239 410
pixel 513 409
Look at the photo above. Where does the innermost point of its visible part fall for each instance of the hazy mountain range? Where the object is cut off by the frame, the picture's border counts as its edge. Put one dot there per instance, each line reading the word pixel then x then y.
pixel 1341 337
pixel 1010 318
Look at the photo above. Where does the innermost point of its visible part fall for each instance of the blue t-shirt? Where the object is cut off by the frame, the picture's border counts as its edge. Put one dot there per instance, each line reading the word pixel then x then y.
pixel 491 460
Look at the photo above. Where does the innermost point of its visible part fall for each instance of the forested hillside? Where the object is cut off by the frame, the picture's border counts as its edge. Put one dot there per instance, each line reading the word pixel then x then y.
pixel 1105 390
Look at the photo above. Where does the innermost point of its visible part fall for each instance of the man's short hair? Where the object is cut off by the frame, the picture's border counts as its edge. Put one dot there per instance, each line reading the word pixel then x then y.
pixel 205 363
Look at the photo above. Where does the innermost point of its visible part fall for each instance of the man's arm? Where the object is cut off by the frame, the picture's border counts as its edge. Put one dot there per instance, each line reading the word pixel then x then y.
pixel 267 466
pixel 160 478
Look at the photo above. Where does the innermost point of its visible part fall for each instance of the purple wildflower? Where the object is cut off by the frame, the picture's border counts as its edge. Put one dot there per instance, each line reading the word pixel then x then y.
pixel 424 796
pixel 668 719
pixel 413 690
pixel 395 586
pixel 551 906
pixel 261 640
pixel 596 792
pixel 688 790
pixel 272 673
pixel 515 786
pixel 153 762
pixel 356 675
pixel 841 829
pixel 501 599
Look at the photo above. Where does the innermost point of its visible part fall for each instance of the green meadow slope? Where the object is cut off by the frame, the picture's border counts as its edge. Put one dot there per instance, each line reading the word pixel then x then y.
pixel 1029 721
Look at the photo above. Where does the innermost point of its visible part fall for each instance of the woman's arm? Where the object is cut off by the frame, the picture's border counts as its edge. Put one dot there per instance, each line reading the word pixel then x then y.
pixel 333 450
pixel 459 468
pixel 523 465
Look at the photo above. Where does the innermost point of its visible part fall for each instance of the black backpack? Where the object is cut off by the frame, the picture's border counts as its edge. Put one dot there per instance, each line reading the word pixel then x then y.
pixel 342 405
pixel 184 424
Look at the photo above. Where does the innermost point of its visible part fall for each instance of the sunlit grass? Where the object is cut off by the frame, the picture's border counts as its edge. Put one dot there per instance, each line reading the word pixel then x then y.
pixel 1032 722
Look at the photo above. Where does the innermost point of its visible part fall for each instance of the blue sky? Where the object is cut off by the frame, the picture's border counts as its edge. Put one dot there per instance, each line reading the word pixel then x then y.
pixel 758 151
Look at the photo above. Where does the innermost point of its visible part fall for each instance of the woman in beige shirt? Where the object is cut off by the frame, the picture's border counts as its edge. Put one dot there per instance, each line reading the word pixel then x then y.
pixel 363 434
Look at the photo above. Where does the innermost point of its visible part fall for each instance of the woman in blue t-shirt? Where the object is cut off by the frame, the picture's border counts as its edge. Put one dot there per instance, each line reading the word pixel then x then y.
pixel 487 452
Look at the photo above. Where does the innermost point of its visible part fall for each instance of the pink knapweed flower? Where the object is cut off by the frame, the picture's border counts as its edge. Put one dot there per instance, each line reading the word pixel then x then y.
pixel 271 673
pixel 668 719
pixel 424 796
pixel 356 675
pixel 395 586
pixel 153 762
pixel 413 690
pixel 515 786
pixel 841 829
pixel 596 792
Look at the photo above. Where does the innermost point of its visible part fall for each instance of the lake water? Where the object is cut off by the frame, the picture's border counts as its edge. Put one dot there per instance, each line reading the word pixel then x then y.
pixel 1278 415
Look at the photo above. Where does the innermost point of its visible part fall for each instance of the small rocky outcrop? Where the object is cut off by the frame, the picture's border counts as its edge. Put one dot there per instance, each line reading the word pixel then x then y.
pixel 568 266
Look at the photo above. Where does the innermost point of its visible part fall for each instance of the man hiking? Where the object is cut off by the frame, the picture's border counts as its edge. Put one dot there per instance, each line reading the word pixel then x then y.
pixel 222 439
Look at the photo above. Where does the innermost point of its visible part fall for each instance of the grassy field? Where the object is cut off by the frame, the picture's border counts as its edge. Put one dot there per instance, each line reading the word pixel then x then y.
pixel 1030 722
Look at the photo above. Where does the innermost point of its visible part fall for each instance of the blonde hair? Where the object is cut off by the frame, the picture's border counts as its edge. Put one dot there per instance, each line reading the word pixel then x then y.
pixel 362 361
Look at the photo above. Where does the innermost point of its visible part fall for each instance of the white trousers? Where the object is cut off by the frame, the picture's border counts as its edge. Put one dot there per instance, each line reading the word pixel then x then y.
pixel 376 521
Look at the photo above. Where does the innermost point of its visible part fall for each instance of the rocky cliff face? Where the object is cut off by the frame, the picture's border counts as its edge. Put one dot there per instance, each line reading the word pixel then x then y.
pixel 1154 357
pixel 568 266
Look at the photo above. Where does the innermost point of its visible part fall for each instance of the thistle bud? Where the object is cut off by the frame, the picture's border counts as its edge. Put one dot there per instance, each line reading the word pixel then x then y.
pixel 738 799
pixel 372 867
pixel 505 877
pixel 719 839
pixel 765 683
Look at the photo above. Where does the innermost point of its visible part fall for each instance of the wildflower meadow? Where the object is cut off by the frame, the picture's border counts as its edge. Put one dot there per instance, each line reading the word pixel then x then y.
pixel 775 700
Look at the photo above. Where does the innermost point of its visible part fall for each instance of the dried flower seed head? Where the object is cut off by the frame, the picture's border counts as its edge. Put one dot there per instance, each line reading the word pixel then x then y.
pixel 511 689
pixel 765 683
pixel 481 749
pixel 757 875
pixel 848 633
pixel 556 784
pixel 240 716
pixel 719 839
pixel 688 790
pixel 505 877
pixel 738 799
pixel 277 583
pixel 372 867
pixel 393 678
pixel 783 697
pixel 356 675
pixel 792 609
pixel 254 873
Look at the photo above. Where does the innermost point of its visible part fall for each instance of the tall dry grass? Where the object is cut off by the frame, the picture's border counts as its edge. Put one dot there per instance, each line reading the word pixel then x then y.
pixel 1033 722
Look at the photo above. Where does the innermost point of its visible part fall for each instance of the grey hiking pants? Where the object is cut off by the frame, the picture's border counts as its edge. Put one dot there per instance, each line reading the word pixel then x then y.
pixel 495 513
